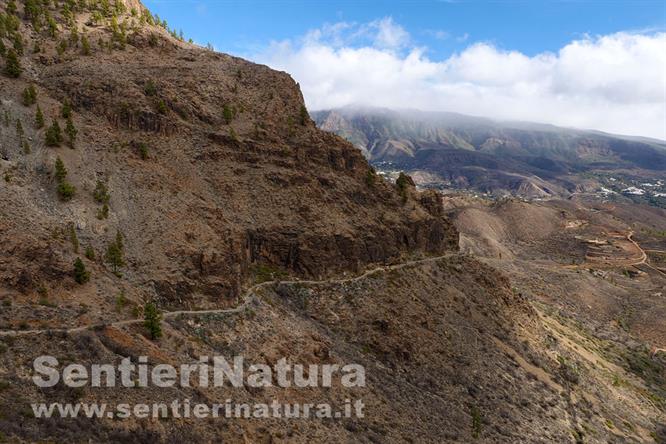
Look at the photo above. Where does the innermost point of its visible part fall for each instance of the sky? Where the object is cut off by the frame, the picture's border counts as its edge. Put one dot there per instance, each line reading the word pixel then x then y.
pixel 596 64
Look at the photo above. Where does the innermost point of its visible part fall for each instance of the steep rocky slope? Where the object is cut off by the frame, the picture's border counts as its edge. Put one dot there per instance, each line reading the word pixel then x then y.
pixel 211 165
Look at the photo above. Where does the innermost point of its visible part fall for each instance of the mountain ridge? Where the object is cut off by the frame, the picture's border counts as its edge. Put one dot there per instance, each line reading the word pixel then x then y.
pixel 487 155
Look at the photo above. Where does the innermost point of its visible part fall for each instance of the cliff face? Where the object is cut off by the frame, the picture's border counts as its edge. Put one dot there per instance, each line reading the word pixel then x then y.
pixel 212 166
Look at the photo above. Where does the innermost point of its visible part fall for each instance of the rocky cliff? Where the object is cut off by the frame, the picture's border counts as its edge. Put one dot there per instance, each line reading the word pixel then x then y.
pixel 211 163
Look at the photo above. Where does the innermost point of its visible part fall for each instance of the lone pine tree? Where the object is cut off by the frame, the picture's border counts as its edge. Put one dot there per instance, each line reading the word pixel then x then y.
pixel 81 275
pixel 12 64
pixel 152 320
pixel 39 118
pixel 114 253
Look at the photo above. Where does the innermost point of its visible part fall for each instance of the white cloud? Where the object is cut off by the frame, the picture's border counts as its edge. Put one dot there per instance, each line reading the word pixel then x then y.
pixel 389 34
pixel 614 83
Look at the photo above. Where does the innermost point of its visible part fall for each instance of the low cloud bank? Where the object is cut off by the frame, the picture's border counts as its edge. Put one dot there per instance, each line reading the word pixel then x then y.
pixel 614 83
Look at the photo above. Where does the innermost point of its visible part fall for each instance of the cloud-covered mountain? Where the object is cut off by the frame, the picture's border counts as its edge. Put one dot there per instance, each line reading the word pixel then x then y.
pixel 523 158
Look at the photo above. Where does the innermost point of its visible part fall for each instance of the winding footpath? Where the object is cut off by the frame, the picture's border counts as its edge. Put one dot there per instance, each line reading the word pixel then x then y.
pixel 644 259
pixel 249 295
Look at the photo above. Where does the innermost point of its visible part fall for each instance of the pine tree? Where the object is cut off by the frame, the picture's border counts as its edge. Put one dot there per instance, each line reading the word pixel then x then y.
pixel 101 193
pixel 66 110
pixel 114 253
pixel 152 320
pixel 18 44
pixel 60 170
pixel 119 241
pixel 29 96
pixel 403 183
pixel 53 134
pixel 39 118
pixel 71 132
pixel 81 276
pixel 74 239
pixel 12 64
pixel 304 115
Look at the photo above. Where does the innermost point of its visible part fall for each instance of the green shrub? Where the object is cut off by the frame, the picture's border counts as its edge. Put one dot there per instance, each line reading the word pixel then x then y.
pixel 18 44
pixel 121 301
pixel 161 107
pixel 62 47
pixel 371 177
pixel 74 36
pixel 143 151
pixel 81 275
pixel 103 212
pixel 153 40
pixel 66 190
pixel 477 422
pixel 19 128
pixel 52 26
pixel 228 114
pixel 90 253
pixel 265 273
pixel 85 46
pixel 150 89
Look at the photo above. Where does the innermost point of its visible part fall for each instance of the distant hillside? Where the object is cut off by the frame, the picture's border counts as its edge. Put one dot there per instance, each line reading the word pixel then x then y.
pixel 517 157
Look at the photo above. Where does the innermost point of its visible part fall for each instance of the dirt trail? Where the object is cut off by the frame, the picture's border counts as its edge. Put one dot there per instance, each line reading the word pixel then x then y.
pixel 644 261
pixel 249 294
pixel 644 254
